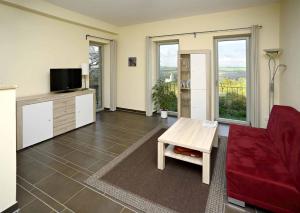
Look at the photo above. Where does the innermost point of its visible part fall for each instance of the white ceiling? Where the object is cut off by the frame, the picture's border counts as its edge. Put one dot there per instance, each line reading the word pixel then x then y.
pixel 127 12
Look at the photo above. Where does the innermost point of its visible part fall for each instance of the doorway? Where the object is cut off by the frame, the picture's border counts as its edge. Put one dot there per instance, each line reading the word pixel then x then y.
pixel 96 72
pixel 167 67
pixel 232 74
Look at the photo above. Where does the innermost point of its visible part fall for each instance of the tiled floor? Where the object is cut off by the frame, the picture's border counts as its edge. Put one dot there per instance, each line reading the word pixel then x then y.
pixel 50 175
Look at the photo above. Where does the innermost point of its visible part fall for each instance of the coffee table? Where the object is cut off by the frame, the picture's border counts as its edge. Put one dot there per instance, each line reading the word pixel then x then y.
pixel 191 134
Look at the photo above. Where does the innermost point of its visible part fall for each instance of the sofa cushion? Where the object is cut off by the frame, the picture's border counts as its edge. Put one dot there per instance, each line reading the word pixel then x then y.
pixel 284 130
pixel 255 172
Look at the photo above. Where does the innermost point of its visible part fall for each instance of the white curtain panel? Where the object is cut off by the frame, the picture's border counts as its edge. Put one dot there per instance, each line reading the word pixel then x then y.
pixel 254 78
pixel 113 75
pixel 149 110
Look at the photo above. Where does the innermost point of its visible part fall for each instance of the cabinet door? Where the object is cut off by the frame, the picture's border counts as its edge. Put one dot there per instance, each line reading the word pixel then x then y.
pixel 198 104
pixel 198 71
pixel 37 123
pixel 84 105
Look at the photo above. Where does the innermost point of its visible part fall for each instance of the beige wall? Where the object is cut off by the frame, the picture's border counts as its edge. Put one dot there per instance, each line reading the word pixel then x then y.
pixel 290 43
pixel 8 149
pixel 131 81
pixel 53 11
pixel 32 43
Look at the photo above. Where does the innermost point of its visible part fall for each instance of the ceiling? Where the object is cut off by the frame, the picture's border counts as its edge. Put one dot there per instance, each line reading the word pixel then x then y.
pixel 128 12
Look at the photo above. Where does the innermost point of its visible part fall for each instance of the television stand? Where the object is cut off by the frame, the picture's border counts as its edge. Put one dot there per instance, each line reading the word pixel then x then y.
pixel 65 91
pixel 41 117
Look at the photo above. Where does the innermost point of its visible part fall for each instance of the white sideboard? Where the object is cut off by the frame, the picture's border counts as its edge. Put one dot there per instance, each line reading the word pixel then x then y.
pixel 42 117
pixel 8 165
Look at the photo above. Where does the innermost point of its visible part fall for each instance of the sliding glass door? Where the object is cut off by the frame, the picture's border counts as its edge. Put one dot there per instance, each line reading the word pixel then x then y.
pixel 167 69
pixel 96 72
pixel 232 74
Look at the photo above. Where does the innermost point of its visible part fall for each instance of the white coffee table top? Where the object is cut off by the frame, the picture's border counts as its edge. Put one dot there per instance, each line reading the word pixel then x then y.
pixel 189 133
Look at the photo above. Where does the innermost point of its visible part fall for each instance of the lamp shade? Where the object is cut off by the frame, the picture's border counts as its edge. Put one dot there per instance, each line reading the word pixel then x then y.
pixel 85 69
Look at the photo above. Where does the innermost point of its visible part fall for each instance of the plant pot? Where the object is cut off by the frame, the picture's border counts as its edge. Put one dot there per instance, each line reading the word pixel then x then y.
pixel 163 114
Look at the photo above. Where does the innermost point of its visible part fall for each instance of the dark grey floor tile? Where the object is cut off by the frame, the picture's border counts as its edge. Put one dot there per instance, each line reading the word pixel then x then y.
pixel 98 165
pixel 80 177
pixel 81 159
pixel 93 146
pixel 117 149
pixel 34 171
pixel 23 197
pixel 67 211
pixel 47 199
pixel 99 155
pixel 125 210
pixel 24 184
pixel 59 187
pixel 23 159
pixel 230 208
pixel 52 163
pixel 50 155
pixel 93 202
pixel 54 148
pixel 36 206
pixel 79 169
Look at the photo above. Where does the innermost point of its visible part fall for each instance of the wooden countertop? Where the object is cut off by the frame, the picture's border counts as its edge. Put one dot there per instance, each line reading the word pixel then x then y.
pixel 51 96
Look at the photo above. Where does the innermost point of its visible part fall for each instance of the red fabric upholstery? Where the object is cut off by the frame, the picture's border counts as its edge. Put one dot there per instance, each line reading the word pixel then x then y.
pixel 284 129
pixel 262 166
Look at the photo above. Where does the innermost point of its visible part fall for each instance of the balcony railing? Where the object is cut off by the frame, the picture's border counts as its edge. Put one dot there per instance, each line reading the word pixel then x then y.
pixel 173 86
pixel 232 102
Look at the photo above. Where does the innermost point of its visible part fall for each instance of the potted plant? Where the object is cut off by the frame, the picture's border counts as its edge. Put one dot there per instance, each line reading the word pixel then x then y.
pixel 164 99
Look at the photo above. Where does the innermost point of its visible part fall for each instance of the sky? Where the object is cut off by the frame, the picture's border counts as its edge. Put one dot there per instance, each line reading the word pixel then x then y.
pixel 231 54
pixel 168 55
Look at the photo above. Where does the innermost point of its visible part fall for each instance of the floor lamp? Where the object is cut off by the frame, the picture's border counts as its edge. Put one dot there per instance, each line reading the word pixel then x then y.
pixel 273 54
pixel 85 72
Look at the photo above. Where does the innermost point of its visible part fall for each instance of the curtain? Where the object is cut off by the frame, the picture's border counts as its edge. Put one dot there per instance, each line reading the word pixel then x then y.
pixel 113 75
pixel 254 78
pixel 149 110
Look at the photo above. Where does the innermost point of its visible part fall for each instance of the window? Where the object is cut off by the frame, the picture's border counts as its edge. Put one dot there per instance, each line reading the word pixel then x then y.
pixel 232 68
pixel 96 72
pixel 167 67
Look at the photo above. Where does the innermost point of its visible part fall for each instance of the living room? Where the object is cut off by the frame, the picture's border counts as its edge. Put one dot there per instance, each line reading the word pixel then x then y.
pixel 150 106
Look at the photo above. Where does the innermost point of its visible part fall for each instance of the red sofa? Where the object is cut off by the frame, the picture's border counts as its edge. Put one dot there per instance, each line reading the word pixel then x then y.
pixel 263 165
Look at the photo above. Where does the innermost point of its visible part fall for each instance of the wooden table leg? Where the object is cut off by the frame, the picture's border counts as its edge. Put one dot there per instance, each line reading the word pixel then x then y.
pixel 160 155
pixel 206 168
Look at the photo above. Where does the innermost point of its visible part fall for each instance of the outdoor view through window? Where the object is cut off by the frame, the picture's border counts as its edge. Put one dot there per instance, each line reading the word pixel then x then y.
pixel 95 75
pixel 232 69
pixel 168 54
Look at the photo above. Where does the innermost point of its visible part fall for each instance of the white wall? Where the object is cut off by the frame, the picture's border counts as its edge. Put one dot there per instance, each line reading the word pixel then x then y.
pixel 32 43
pixel 290 43
pixel 8 177
pixel 131 80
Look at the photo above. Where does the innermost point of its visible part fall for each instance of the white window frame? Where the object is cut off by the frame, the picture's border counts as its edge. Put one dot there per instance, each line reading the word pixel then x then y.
pixel 248 83
pixel 158 44
pixel 101 46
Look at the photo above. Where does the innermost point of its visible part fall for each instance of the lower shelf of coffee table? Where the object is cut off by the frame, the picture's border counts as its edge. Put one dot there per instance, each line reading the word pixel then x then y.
pixel 169 152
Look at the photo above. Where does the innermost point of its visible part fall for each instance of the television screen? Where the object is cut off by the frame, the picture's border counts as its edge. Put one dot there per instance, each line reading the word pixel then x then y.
pixel 65 79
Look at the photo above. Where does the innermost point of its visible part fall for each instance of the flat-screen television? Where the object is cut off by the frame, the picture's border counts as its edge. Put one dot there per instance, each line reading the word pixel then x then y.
pixel 65 79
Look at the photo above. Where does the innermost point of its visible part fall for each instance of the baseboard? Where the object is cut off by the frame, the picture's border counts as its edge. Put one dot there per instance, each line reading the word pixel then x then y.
pixel 11 209
pixel 131 110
